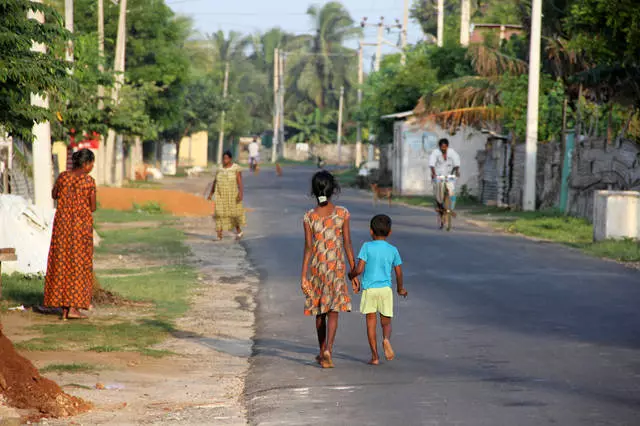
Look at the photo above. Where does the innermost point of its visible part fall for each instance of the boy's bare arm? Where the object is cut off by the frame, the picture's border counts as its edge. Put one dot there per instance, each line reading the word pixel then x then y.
pixel 400 281
pixel 357 270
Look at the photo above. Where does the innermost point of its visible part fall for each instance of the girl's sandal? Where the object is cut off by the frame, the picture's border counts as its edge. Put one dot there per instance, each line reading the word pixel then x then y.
pixel 239 235
pixel 327 361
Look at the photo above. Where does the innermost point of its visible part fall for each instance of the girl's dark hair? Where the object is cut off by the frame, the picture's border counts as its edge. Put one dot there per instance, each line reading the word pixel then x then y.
pixel 323 186
pixel 228 154
pixel 82 157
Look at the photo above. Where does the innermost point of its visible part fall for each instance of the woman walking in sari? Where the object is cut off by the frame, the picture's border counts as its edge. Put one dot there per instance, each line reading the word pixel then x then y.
pixel 228 190
pixel 69 280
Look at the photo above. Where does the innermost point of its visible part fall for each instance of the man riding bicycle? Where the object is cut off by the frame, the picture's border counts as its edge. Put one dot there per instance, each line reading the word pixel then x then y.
pixel 254 154
pixel 444 161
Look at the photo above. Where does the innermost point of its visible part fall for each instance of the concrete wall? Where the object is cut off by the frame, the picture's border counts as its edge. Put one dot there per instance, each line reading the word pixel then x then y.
pixel 328 152
pixel 60 149
pixel 193 149
pixel 412 147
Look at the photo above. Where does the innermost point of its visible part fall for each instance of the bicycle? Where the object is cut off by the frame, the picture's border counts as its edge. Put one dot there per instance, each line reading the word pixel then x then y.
pixel 445 215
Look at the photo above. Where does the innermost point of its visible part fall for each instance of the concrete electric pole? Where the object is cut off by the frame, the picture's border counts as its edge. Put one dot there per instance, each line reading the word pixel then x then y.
pixel 465 22
pixel 42 164
pixel 529 199
pixel 340 106
pixel 281 87
pixel 100 154
pixel 276 112
pixel 404 29
pixel 224 96
pixel 440 23
pixel 379 45
pixel 360 83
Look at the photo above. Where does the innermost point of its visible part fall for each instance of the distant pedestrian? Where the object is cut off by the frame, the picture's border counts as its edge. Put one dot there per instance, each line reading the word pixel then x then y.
pixel 327 237
pixel 69 280
pixel 229 192
pixel 376 259
pixel 254 155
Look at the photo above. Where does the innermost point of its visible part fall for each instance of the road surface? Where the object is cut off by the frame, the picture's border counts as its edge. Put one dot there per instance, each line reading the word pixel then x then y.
pixel 497 330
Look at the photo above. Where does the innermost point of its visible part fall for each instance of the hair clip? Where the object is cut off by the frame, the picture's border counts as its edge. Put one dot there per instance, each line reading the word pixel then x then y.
pixel 322 199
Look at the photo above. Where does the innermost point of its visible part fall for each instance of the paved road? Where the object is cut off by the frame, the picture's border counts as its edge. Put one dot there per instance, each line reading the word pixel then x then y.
pixel 497 330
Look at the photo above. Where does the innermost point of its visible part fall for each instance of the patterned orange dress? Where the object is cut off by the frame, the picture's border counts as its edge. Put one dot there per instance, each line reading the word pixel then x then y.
pixel 69 280
pixel 328 272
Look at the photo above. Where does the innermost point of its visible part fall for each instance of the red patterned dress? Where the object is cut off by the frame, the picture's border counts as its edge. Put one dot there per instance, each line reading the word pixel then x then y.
pixel 328 271
pixel 69 280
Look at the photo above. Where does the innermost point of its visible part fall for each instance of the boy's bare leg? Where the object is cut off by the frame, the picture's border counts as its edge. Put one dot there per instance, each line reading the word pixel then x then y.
pixel 321 328
pixel 372 324
pixel 386 336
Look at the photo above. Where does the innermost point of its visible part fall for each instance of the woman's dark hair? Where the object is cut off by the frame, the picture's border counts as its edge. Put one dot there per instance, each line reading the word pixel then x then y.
pixel 323 186
pixel 381 225
pixel 228 154
pixel 82 157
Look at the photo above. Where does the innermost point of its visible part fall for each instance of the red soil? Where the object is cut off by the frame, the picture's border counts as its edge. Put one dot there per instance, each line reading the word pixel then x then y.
pixel 23 387
pixel 175 202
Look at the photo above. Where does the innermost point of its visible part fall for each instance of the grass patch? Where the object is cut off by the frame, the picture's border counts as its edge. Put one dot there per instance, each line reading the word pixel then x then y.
pixel 87 336
pixel 116 216
pixel 151 242
pixel 167 288
pixel 143 184
pixel 553 225
pixel 19 289
pixel 149 208
pixel 70 368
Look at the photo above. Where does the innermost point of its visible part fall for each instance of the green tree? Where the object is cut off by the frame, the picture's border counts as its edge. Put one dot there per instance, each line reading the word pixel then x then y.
pixel 325 64
pixel 314 128
pixel 23 72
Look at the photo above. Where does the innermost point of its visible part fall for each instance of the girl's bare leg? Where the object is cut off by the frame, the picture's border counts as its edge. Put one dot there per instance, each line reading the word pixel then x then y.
pixel 372 323
pixel 386 333
pixel 220 234
pixel 332 328
pixel 321 328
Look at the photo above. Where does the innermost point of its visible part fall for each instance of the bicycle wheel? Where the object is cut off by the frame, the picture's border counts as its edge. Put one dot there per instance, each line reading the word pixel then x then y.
pixel 447 211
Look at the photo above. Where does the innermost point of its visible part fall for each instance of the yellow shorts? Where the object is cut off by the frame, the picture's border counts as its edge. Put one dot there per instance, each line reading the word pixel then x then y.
pixel 377 300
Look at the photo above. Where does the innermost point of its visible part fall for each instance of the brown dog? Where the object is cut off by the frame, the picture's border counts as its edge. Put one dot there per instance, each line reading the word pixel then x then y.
pixel 278 170
pixel 380 193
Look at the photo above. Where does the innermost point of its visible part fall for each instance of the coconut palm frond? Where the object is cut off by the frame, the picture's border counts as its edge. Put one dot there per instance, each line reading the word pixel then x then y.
pixel 453 120
pixel 489 62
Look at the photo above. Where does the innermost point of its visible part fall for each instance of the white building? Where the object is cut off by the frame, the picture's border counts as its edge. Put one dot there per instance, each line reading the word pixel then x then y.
pixel 412 145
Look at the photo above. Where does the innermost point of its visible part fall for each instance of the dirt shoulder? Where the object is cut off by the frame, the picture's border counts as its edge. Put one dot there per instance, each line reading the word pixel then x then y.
pixel 196 374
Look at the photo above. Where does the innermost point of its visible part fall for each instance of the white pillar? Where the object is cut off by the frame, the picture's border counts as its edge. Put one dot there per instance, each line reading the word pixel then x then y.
pixel 465 21
pixel 440 23
pixel 529 199
pixel 42 163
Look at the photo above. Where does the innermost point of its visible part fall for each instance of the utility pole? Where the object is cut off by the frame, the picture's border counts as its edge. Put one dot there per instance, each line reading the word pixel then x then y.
pixel 360 83
pixel 224 96
pixel 405 28
pixel 276 112
pixel 68 24
pixel 100 153
pixel 465 21
pixel 281 87
pixel 440 23
pixel 379 46
pixel 529 199
pixel 340 106
pixel 42 164
pixel 118 68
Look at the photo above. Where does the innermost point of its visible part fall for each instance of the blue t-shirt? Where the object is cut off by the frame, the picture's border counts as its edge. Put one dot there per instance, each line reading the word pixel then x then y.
pixel 380 258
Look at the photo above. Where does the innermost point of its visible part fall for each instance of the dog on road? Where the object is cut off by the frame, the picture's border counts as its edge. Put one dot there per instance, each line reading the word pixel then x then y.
pixel 380 193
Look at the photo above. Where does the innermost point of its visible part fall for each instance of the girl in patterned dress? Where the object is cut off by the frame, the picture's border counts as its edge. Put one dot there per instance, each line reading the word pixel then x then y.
pixel 326 233
pixel 228 190
pixel 69 280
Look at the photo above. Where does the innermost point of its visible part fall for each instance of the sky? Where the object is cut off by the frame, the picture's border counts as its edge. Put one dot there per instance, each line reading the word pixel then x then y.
pixel 249 16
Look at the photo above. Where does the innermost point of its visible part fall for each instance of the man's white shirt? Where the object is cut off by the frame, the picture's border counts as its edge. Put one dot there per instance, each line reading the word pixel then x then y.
pixel 254 149
pixel 444 167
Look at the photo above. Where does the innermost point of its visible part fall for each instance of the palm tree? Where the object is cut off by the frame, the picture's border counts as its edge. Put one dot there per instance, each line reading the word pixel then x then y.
pixel 312 128
pixel 323 64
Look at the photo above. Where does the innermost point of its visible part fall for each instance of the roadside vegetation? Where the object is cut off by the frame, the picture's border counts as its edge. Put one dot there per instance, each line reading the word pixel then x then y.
pixel 152 288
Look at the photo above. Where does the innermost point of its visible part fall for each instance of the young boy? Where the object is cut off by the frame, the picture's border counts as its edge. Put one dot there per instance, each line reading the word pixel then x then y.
pixel 376 259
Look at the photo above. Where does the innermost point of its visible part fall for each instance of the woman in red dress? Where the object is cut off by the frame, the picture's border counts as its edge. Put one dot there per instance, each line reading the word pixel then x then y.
pixel 69 281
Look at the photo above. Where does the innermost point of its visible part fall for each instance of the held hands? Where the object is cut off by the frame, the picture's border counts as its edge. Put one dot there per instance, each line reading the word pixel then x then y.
pixel 355 285
pixel 402 292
